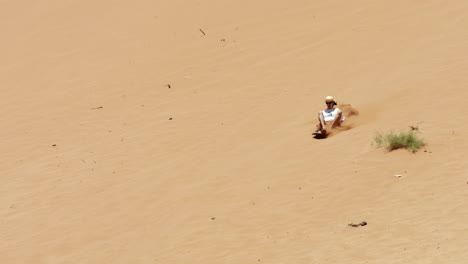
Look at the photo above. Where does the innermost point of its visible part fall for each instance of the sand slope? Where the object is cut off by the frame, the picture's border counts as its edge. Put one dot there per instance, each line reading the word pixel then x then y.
pixel 94 170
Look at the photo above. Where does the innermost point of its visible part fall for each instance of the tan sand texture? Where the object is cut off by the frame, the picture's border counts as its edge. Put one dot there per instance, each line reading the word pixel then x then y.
pixel 102 162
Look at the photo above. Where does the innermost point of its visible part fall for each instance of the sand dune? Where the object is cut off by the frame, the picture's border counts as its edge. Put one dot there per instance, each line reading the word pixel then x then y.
pixel 104 163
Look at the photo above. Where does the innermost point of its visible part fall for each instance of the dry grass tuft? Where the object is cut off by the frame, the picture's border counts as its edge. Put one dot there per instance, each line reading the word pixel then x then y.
pixel 391 141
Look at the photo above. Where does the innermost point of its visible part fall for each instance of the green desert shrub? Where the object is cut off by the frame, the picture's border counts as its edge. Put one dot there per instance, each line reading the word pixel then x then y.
pixel 391 141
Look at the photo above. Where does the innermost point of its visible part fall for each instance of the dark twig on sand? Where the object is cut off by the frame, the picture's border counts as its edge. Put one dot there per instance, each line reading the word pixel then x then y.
pixel 203 32
pixel 416 128
pixel 363 223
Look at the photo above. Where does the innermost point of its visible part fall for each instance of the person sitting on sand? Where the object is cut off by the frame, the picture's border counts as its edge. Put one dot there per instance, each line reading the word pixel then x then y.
pixel 331 116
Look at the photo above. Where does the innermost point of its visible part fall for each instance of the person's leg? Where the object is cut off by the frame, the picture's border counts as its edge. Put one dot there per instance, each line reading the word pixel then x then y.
pixel 321 125
pixel 337 121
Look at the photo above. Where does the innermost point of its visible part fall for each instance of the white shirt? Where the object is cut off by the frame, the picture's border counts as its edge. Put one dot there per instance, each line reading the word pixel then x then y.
pixel 330 114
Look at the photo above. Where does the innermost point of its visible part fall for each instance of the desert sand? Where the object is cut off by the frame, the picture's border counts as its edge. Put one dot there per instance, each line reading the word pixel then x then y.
pixel 180 131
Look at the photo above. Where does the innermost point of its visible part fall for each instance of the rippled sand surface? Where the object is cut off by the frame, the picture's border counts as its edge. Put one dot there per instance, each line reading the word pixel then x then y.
pixel 181 131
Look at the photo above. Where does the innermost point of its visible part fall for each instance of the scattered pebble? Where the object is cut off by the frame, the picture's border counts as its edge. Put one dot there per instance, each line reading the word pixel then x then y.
pixel 397 175
pixel 170 118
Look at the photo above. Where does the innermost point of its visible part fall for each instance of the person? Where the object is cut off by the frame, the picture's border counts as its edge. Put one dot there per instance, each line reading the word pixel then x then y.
pixel 332 116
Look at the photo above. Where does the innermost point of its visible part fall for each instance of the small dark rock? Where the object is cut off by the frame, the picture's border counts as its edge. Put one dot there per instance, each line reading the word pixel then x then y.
pixel 53 145
pixel 170 118
pixel 213 218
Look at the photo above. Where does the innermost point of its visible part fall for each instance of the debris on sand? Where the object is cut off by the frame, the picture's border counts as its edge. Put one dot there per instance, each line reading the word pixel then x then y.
pixel 416 128
pixel 203 32
pixel 363 223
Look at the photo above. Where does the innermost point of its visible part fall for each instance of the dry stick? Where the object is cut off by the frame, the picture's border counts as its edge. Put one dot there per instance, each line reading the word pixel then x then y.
pixel 203 32
pixel 416 128
pixel 363 223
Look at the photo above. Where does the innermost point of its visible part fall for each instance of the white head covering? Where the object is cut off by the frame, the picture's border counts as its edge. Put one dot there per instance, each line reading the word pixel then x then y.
pixel 329 98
